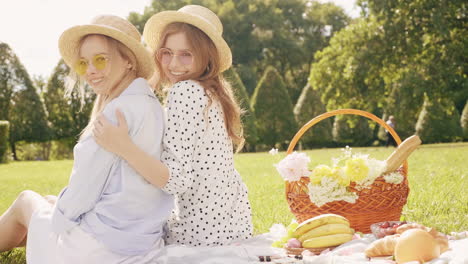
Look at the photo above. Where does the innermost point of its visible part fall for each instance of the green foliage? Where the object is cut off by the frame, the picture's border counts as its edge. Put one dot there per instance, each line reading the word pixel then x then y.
pixel 15 256
pixel 439 121
pixel 20 103
pixel 404 103
pixel 387 60
pixel 437 178
pixel 67 115
pixel 273 110
pixel 464 121
pixel 9 78
pixel 348 72
pixel 284 34
pixel 307 107
pixel 4 133
pixel 248 117
pixel 49 150
pixel 352 130
pixel 28 116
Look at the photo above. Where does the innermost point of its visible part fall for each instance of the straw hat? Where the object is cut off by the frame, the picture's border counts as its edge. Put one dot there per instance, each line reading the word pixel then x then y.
pixel 198 16
pixel 114 27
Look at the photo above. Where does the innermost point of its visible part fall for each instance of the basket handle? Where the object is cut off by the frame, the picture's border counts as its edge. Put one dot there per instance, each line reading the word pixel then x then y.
pixel 326 115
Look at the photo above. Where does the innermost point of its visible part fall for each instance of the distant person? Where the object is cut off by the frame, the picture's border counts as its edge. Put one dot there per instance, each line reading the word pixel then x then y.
pixel 390 140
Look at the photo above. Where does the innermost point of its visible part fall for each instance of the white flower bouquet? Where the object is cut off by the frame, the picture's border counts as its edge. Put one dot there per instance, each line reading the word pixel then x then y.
pixel 332 183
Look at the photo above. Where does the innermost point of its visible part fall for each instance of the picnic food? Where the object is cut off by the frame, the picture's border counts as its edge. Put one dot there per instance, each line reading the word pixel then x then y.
pixel 382 247
pixel 401 153
pixel 308 197
pixel 324 231
pixel 327 241
pixel 386 246
pixel 294 243
pixel 317 221
pixel 386 228
pixel 327 229
pixel 416 244
pixel 440 238
pixel 403 228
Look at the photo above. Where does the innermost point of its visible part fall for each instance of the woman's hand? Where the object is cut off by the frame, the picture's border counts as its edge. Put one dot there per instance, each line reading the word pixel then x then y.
pixel 112 138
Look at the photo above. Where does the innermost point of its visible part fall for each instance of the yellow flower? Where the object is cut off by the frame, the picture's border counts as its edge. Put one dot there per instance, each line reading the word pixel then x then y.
pixel 319 172
pixel 356 169
pixel 339 174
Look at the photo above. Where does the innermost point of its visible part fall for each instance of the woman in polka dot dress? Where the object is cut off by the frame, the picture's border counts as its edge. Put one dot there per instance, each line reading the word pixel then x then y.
pixel 203 125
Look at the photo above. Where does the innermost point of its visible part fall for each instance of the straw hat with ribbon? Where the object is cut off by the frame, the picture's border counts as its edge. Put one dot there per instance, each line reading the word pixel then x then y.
pixel 198 16
pixel 111 26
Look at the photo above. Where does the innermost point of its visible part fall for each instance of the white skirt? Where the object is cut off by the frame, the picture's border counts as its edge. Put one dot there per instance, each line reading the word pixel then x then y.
pixel 74 246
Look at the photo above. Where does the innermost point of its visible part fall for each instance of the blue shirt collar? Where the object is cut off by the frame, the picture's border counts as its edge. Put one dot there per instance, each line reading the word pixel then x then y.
pixel 138 86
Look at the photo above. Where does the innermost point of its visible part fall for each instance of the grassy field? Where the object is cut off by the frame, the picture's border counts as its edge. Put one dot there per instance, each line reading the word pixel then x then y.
pixel 438 178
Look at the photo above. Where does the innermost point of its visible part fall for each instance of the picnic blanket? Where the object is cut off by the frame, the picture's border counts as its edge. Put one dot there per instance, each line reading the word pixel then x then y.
pixel 249 251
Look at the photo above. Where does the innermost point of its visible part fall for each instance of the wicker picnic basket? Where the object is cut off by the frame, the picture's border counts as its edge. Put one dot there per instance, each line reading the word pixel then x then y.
pixel 382 202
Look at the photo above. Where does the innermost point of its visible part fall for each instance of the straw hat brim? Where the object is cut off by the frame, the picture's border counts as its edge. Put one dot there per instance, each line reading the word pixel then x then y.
pixel 70 39
pixel 156 24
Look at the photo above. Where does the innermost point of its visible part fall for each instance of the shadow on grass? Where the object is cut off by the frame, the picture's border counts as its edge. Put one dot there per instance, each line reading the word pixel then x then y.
pixel 15 256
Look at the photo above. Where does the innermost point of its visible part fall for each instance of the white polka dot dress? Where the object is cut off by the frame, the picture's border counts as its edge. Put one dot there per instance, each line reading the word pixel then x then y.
pixel 212 199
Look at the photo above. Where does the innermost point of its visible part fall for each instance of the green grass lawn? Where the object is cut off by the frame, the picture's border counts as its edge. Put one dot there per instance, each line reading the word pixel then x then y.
pixel 438 178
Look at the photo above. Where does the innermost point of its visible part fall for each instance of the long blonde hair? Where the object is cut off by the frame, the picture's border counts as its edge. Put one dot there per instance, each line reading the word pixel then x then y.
pixel 207 73
pixel 75 81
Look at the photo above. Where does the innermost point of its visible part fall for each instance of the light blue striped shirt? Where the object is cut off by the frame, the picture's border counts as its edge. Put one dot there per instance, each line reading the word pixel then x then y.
pixel 105 196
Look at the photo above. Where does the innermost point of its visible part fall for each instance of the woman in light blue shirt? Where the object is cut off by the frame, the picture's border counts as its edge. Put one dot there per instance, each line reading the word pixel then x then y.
pixel 108 213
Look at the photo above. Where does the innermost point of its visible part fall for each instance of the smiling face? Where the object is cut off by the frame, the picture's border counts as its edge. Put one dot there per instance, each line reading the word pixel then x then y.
pixel 178 69
pixel 105 66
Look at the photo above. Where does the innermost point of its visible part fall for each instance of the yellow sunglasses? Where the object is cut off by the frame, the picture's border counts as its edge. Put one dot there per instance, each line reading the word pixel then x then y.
pixel 99 61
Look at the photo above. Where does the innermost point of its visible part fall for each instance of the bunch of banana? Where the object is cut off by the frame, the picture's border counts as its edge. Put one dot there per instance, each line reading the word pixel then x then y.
pixel 325 230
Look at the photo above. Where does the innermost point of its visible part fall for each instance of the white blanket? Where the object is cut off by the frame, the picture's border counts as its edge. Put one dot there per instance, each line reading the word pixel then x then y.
pixel 248 252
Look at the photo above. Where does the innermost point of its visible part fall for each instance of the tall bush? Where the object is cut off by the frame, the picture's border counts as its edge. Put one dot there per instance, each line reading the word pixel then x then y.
pixel 464 121
pixel 439 121
pixel 248 117
pixel 273 110
pixel 308 106
pixel 4 132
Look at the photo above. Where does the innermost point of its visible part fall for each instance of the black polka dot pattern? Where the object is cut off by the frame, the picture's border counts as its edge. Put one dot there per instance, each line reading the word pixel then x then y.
pixel 212 199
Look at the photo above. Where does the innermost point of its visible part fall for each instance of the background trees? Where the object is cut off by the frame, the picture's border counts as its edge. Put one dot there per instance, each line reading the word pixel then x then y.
pixel 273 111
pixel 67 115
pixel 20 103
pixel 293 60
pixel 397 54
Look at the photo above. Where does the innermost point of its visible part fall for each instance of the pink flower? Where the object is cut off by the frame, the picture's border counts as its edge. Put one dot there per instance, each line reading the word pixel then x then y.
pixel 294 166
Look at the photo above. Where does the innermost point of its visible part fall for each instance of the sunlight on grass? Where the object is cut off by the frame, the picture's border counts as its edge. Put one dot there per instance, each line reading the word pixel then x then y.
pixel 438 178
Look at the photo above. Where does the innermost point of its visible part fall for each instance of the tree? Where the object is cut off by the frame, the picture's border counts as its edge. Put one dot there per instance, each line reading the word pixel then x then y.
pixel 284 34
pixel 404 103
pixel 273 110
pixel 4 132
pixel 21 104
pixel 352 130
pixel 433 43
pixel 248 117
pixel 348 72
pixel 439 121
pixel 374 66
pixel 464 121
pixel 67 115
pixel 307 107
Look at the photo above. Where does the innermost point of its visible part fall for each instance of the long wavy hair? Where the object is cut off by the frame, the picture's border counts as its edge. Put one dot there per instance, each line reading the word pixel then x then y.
pixel 74 81
pixel 207 73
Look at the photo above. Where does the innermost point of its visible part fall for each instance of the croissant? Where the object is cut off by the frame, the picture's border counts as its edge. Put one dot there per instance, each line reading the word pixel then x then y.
pixel 405 227
pixel 382 247
pixel 441 240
